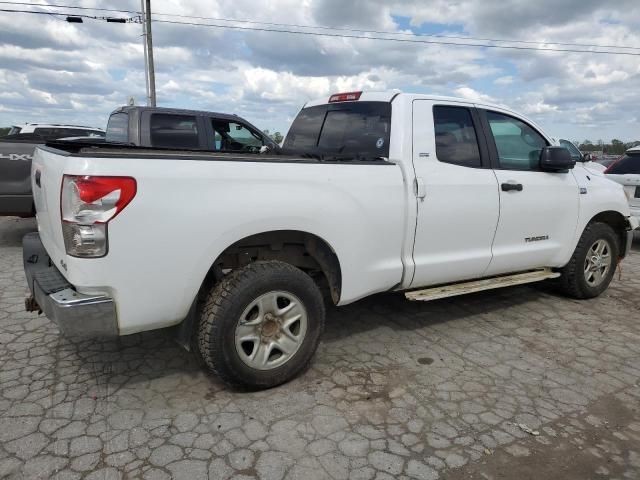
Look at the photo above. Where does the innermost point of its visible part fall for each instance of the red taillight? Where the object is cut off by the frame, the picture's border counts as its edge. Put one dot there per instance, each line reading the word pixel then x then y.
pixel 87 204
pixel 345 97
pixel 92 189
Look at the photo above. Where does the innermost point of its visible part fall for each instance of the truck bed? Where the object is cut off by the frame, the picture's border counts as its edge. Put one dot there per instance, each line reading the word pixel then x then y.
pixel 106 150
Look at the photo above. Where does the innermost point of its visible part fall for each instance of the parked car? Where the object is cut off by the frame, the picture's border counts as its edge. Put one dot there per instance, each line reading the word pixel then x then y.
pixel 171 128
pixel 626 171
pixel 376 192
pixel 16 152
pixel 577 156
pixel 152 127
pixel 53 131
pixel 606 162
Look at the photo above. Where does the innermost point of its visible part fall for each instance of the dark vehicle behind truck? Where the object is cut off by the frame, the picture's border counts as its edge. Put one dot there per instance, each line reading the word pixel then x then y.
pixel 155 127
pixel 146 127
pixel 16 153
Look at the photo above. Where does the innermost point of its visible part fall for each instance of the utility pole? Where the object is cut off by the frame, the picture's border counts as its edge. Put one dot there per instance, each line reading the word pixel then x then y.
pixel 144 44
pixel 149 71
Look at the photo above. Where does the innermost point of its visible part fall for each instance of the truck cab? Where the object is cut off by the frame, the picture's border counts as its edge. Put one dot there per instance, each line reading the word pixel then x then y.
pixel 179 129
pixel 481 197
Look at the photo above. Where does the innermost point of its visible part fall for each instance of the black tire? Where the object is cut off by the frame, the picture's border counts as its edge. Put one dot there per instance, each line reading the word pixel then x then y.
pixel 221 308
pixel 572 281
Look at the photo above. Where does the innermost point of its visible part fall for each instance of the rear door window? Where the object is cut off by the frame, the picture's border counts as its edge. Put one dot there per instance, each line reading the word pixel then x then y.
pixel 628 164
pixel 345 131
pixel 174 131
pixel 456 139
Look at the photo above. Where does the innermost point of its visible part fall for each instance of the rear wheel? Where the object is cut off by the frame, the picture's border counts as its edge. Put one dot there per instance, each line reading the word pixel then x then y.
pixel 593 264
pixel 260 326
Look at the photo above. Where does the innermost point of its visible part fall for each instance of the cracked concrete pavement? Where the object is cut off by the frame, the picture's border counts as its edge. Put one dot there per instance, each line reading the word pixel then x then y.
pixel 513 383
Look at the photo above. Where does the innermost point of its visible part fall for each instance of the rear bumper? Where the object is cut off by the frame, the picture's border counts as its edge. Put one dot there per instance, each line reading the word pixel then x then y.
pixel 76 315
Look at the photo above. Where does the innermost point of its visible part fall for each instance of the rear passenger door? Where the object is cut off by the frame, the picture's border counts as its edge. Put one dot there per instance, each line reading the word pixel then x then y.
pixel 174 131
pixel 538 210
pixel 456 193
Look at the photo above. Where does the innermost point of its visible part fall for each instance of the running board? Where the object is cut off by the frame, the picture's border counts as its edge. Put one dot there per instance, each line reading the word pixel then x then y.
pixel 453 289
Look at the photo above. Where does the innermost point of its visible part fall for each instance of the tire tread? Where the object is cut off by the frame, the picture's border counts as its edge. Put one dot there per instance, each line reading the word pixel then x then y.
pixel 214 302
pixel 570 281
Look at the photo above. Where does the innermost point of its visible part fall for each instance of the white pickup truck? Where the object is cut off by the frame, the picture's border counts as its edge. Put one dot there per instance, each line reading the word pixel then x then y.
pixel 383 192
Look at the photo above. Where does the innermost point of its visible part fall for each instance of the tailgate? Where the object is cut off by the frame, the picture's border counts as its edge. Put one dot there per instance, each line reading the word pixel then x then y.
pixel 46 180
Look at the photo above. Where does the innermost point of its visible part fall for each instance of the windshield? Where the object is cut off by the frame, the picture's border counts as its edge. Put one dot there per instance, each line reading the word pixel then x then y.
pixel 573 150
pixel 344 131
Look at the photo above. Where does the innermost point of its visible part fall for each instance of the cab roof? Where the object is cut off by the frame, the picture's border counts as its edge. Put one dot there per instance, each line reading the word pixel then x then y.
pixel 389 95
pixel 175 111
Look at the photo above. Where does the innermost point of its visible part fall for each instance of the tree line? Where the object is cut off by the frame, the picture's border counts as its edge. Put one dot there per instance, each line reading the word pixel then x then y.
pixel 615 147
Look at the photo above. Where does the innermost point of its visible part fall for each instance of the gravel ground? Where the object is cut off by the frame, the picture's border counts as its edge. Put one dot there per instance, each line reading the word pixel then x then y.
pixel 513 383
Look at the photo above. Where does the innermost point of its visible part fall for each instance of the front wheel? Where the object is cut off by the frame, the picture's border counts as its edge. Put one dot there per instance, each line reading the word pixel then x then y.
pixel 593 264
pixel 260 326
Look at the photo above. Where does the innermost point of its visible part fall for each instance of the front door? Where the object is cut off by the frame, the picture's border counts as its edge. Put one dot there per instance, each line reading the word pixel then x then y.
pixel 456 194
pixel 538 210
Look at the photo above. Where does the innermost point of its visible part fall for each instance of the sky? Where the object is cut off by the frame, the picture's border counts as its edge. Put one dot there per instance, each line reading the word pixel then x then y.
pixel 54 71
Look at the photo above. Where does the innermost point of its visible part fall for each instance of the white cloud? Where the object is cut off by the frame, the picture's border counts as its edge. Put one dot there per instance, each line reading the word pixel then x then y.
pixel 55 71
pixel 470 94
pixel 506 80
pixel 539 107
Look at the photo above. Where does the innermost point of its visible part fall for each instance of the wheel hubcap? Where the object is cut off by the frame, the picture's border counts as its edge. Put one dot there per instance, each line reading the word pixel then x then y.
pixel 598 263
pixel 271 330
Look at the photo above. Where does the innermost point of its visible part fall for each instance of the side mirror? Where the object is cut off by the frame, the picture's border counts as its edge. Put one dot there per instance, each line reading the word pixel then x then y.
pixel 556 159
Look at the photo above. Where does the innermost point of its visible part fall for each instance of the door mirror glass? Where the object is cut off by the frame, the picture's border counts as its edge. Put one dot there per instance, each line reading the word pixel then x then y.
pixel 556 159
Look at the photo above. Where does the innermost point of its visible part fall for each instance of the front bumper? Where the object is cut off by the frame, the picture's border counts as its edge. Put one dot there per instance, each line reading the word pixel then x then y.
pixel 76 314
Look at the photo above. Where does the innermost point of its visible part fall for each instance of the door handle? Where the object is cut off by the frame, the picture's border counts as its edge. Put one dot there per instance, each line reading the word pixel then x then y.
pixel 509 187
pixel 38 175
pixel 419 187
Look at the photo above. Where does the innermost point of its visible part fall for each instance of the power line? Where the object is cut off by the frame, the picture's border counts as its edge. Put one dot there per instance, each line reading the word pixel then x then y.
pixel 406 34
pixel 398 40
pixel 73 7
pixel 341 29
pixel 58 14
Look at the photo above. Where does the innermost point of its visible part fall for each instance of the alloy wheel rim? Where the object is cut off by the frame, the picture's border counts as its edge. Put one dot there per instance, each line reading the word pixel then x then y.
pixel 598 263
pixel 271 330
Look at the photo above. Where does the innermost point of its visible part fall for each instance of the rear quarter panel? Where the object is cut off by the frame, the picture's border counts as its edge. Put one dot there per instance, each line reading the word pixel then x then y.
pixel 187 212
